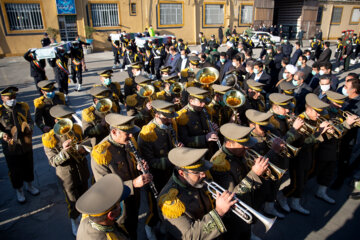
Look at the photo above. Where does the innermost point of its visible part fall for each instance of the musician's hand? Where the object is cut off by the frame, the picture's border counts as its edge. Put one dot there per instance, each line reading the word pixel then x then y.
pixel 211 137
pixel 324 126
pixel 167 87
pixel 144 164
pixel 148 106
pixel 224 202
pixel 142 180
pixel 67 144
pixel 235 118
pixel 277 145
pixel 6 137
pixel 260 166
pixel 179 74
pixel 351 119
pixel 46 129
pixel 180 144
pixel 298 123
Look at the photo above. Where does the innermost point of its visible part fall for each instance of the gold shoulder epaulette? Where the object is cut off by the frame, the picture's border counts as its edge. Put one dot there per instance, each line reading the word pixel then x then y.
pixel 39 102
pixel 101 154
pixel 1 107
pixel 61 96
pixel 131 100
pixel 274 122
pixel 24 106
pixel 128 81
pixel 220 163
pixel 160 95
pixel 88 114
pixel 170 205
pixel 148 133
pixel 117 85
pixel 210 110
pixel 48 139
pixel 183 118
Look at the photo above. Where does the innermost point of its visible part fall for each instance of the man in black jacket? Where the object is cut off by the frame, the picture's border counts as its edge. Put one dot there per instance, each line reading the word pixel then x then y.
pixel 296 54
pixel 326 54
pixel 347 55
pixel 37 68
pixel 301 90
pixel 262 77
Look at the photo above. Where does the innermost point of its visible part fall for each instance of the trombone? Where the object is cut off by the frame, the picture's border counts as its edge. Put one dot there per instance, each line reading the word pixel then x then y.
pixel 241 209
pixel 273 170
pixel 234 99
pixel 289 151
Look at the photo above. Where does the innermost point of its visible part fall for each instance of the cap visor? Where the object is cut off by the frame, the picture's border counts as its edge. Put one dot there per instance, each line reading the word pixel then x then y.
pixel 252 141
pixel 170 115
pixel 206 166
pixel 133 130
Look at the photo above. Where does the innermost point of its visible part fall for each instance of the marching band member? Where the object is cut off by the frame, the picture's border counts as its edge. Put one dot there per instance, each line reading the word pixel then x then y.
pixel 77 56
pixel 114 87
pixel 37 67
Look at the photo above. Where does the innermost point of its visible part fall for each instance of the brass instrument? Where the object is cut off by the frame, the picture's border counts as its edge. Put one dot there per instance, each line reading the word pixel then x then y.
pixel 207 76
pixel 250 157
pixel 210 126
pixel 234 99
pixel 104 105
pixel 146 91
pixel 138 160
pixel 241 209
pixel 306 129
pixel 336 130
pixel 289 151
pixel 346 114
pixel 176 88
pixel 64 127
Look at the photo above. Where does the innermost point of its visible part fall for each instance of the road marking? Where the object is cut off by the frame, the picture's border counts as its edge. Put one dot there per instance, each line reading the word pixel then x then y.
pixel 26 214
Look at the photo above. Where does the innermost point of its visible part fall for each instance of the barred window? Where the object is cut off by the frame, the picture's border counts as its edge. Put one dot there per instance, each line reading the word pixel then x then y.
pixel 24 16
pixel 355 16
pixel 319 15
pixel 246 14
pixel 336 15
pixel 171 14
pixel 214 14
pixel 104 14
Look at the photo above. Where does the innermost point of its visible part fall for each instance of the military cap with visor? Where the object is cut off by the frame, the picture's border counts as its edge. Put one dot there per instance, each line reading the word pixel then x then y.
pixel 165 108
pixel 46 85
pixel 257 117
pixel 198 93
pixel 335 97
pixel 281 100
pixel 61 111
pixel 100 92
pixel 238 133
pixel 287 87
pixel 122 122
pixel 190 158
pixel 107 73
pixel 315 103
pixel 9 91
pixel 194 60
pixel 220 88
pixel 136 65
pixel 142 80
pixel 254 85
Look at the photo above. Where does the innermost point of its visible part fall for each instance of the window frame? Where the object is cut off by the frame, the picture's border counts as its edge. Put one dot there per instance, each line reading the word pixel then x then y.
pixel 322 14
pixel 170 25
pixel 240 6
pixel 130 10
pixel 352 12
pixel 332 13
pixel 204 14
pixel 103 2
pixel 7 22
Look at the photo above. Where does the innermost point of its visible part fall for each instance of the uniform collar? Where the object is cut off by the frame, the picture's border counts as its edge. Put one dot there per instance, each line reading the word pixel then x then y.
pixel 101 228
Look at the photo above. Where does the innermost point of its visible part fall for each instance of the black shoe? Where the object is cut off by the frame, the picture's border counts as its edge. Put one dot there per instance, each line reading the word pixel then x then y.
pixel 355 195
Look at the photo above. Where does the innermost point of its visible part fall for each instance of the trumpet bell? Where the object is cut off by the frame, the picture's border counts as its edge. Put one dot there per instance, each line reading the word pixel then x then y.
pixel 207 75
pixel 63 126
pixel 104 105
pixel 176 88
pixel 234 98
pixel 146 91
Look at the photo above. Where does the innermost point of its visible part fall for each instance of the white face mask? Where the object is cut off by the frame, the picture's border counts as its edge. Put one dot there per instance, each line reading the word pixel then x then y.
pixel 10 103
pixel 137 73
pixel 344 91
pixel 247 70
pixel 321 72
pixel 325 88
pixel 234 64
pixel 183 56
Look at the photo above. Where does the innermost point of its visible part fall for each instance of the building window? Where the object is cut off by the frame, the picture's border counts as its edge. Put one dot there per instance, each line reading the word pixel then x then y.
pixel 214 14
pixel 132 9
pixel 104 14
pixel 246 14
pixel 171 14
pixel 320 14
pixel 355 16
pixel 24 16
pixel 336 15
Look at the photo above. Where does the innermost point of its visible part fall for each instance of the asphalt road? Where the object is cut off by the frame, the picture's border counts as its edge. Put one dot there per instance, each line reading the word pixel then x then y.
pixel 45 216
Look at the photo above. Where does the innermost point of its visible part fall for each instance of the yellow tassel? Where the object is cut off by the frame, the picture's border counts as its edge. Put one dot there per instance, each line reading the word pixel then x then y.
pixel 183 118
pixel 170 204
pixel 61 96
pixel 1 107
pixel 48 139
pixel 39 103
pixel 25 106
pixel 131 100
pixel 220 163
pixel 101 154
pixel 128 81
pixel 88 114
pixel 148 133
pixel 160 95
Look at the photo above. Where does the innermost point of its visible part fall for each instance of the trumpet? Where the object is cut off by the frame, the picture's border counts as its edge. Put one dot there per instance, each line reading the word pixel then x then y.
pixel 176 88
pixel 273 170
pixel 346 114
pixel 336 130
pixel 241 209
pixel 104 105
pixel 234 99
pixel 207 76
pixel 307 129
pixel 289 151
pixel 64 127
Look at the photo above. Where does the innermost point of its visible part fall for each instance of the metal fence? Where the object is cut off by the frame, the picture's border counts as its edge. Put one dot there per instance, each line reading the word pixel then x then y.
pixel 104 15
pixel 24 16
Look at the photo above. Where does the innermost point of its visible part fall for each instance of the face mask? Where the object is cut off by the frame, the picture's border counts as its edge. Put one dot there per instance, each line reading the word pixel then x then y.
pixel 222 60
pixel 308 57
pixel 199 36
pixel 172 41
pixel 325 88
pixel 285 41
pixel 234 64
pixel 191 69
pixel 247 70
pixel 268 52
pixel 281 116
pixel 313 72
pixel 50 94
pixel 295 83
pixel 182 56
pixel 10 102
pixel 343 91
pixel 239 49
pixel 137 73
pixel 107 81
pixel 284 75
pixel 321 72
pixel 299 63
pixel 256 71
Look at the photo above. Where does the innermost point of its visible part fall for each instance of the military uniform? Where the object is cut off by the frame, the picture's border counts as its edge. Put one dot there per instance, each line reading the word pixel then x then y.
pixel 222 113
pixel 203 43
pixel 114 87
pixel 16 122
pixel 252 103
pixel 338 54
pixel 60 65
pixel 70 165
pixel 117 51
pixel 129 58
pixel 97 202
pixel 37 67
pixel 130 83
pixel 44 103
pixel 77 56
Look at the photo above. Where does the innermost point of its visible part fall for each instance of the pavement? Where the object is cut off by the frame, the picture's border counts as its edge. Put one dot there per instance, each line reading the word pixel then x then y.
pixel 45 216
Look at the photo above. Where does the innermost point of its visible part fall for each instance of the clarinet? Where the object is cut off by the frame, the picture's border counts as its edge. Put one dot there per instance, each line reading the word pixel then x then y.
pixel 173 135
pixel 138 160
pixel 210 126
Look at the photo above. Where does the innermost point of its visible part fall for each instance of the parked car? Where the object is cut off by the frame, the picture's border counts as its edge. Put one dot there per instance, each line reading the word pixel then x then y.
pixel 257 35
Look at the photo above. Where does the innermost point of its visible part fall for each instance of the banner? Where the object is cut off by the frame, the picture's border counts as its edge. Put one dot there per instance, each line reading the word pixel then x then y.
pixel 65 7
